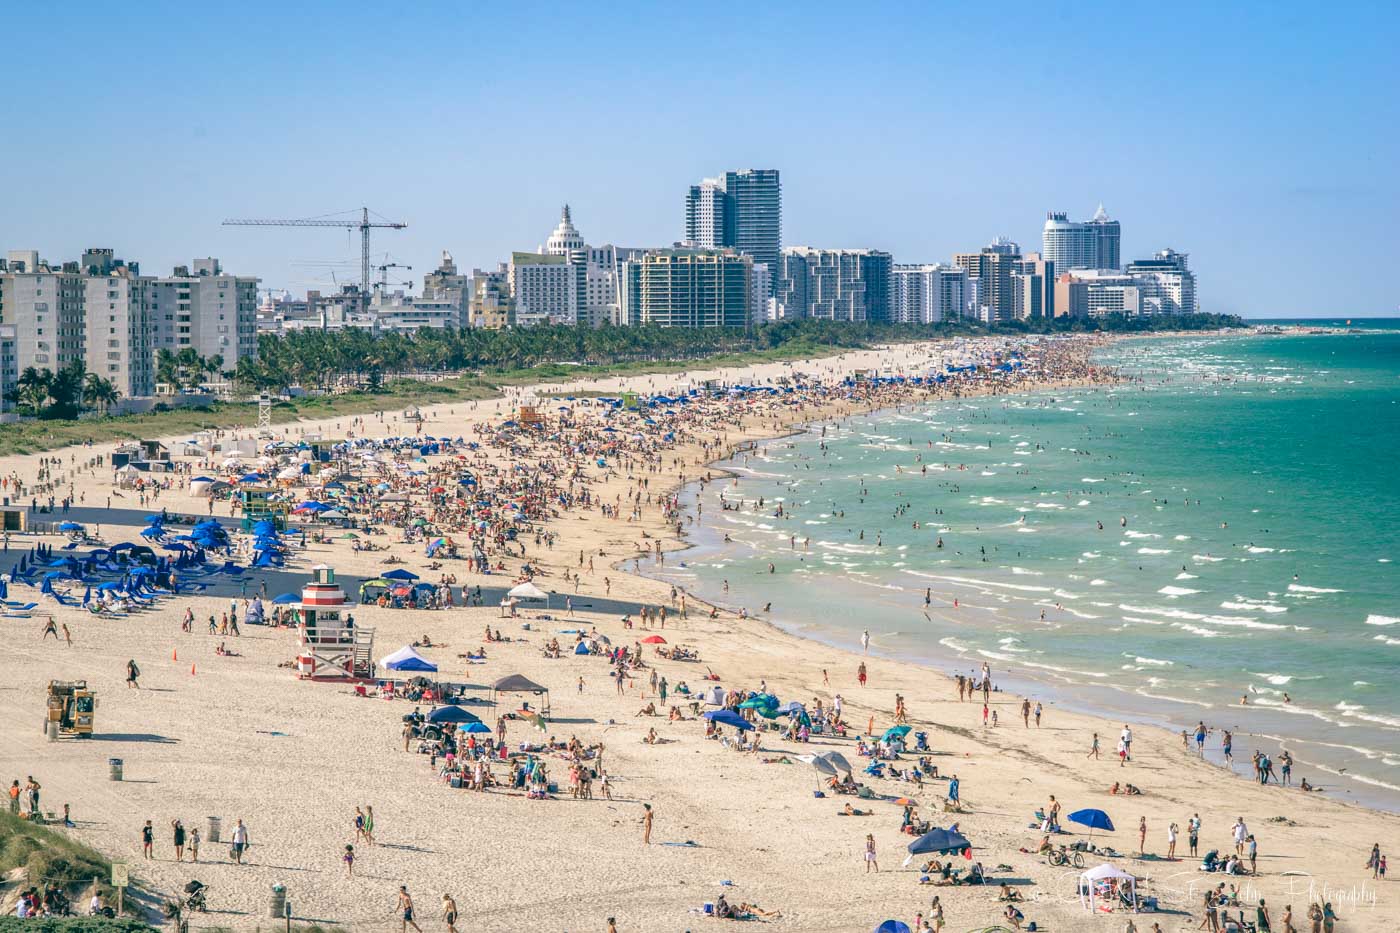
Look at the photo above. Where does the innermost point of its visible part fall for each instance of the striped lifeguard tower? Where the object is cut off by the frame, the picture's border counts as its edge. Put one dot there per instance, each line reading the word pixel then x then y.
pixel 331 646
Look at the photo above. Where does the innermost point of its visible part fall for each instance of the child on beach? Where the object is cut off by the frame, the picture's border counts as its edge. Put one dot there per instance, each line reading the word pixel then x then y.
pixel 349 859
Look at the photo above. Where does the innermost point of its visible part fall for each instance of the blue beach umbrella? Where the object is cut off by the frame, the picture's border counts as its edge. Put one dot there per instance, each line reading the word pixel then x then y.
pixel 1094 819
pixel 452 714
pixel 727 717
pixel 283 599
pixel 892 926
pixel 940 841
pixel 70 526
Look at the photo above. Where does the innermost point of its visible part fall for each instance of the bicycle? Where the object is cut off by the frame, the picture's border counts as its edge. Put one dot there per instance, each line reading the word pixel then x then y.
pixel 1062 856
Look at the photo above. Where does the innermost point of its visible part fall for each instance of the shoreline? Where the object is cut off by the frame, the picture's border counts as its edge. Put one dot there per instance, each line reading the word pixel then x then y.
pixel 755 819
pixel 1367 793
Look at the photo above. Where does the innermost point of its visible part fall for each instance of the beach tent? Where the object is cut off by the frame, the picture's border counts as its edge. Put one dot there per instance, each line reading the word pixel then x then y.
pixel 892 926
pixel 1095 883
pixel 727 717
pixel 581 648
pixel 714 696
pixel 407 659
pixel 451 714
pixel 940 842
pixel 519 683
pixel 400 575
pixel 528 591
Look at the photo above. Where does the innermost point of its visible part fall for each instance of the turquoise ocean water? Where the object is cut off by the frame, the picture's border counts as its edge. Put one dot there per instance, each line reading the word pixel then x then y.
pixel 1249 495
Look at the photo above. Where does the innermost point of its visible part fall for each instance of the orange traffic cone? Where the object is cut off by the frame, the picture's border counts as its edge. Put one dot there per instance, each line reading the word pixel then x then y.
pixel 191 670
pixel 173 656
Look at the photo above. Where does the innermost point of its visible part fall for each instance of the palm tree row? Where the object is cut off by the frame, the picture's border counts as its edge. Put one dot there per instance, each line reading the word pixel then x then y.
pixel 65 394
pixel 186 369
pixel 324 358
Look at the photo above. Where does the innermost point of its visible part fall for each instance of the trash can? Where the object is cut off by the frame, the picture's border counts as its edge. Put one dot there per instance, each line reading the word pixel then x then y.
pixel 277 906
pixel 114 769
pixel 213 834
pixel 52 730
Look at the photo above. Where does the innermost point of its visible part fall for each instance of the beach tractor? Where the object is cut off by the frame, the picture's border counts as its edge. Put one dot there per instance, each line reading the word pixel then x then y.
pixel 71 705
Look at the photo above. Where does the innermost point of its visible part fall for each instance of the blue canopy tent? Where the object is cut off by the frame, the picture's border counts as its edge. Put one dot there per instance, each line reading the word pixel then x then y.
pixel 399 575
pixel 283 599
pixel 407 659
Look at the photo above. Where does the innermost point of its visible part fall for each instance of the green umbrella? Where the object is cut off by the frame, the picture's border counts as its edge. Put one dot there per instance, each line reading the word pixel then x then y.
pixel 895 732
pixel 419 522
pixel 350 534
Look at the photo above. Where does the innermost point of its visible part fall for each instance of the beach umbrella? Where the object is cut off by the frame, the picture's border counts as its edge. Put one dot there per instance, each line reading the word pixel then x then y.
pixel 727 717
pixel 940 842
pixel 653 640
pixel 1094 819
pixel 400 574
pixel 452 714
pixel 905 802
pixel 70 526
pixel 477 726
pixel 895 732
pixel 283 599
pixel 892 926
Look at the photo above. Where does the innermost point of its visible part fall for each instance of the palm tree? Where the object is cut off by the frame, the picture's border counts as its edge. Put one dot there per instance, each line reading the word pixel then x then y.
pixel 168 369
pixel 31 391
pixel 99 393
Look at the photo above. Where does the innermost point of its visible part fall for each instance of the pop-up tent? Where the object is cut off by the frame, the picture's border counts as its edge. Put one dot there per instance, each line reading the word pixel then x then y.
pixel 1105 887
pixel 407 659
pixel 528 590
pixel 519 683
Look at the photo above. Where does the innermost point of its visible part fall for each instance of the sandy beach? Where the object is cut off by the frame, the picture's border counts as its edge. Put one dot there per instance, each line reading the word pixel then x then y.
pixel 240 737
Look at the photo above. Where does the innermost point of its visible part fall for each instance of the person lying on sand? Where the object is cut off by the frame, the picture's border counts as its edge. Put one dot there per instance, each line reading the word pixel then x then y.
pixel 852 811
pixel 1008 893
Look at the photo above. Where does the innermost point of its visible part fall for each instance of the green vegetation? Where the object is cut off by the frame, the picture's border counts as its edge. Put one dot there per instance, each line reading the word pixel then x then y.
pixel 356 369
pixel 43 393
pixel 186 369
pixel 50 857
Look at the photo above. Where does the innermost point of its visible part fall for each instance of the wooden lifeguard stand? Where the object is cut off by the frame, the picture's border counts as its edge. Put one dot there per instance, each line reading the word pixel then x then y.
pixel 331 646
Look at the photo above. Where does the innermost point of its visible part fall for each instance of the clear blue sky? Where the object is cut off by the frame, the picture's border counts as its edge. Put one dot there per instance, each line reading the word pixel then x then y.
pixel 1262 138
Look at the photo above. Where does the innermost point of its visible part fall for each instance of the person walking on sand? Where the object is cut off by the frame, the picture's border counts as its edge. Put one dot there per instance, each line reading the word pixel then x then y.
pixel 870 862
pixel 132 674
pixel 860 673
pixel 50 628
pixel 369 824
pixel 148 840
pixel 865 641
pixel 1142 836
pixel 405 911
pixel 240 841
pixel 67 635
pixel 359 824
pixel 449 913
pixel 349 859
pixel 194 844
pixel 1094 748
pixel 1171 842
pixel 647 818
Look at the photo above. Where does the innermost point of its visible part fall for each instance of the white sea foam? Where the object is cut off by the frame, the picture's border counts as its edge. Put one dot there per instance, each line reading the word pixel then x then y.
pixel 1297 588
pixel 1174 591
pixel 1140 534
pixel 1374 619
pixel 1187 576
pixel 1153 550
pixel 1387 641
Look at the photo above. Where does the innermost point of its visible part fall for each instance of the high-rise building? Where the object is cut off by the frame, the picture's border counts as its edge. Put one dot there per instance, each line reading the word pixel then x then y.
pixel 1171 286
pixel 927 293
pixel 993 269
pixel 1033 291
pixel 547 288
pixel 834 284
pixel 1092 244
pixel 9 372
pixel 689 288
pixel 704 215
pixel 743 210
pixel 201 307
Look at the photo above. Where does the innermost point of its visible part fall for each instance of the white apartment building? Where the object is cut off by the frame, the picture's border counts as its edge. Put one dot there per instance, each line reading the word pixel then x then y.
pixel 118 338
pixel 546 289
pixel 927 293
pixel 203 308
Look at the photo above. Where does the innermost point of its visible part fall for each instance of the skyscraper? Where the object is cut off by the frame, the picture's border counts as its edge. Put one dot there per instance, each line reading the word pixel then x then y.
pixel 834 284
pixel 743 210
pixel 1092 244
pixel 992 274
pixel 689 288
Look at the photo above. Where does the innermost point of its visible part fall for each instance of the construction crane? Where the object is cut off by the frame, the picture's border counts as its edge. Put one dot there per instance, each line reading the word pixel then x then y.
pixel 364 225
pixel 383 271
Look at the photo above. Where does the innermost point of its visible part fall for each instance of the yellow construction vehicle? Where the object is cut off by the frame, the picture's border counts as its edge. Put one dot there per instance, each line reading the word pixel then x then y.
pixel 71 705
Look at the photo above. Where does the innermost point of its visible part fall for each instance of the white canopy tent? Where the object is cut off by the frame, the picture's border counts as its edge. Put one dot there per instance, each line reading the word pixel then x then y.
pixel 1106 883
pixel 528 591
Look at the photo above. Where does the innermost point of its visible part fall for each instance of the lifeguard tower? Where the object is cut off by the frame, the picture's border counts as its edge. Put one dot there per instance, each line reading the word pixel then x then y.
pixel 256 504
pixel 331 647
pixel 530 416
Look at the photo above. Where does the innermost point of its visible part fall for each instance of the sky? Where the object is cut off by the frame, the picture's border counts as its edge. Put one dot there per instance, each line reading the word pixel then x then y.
pixel 1260 138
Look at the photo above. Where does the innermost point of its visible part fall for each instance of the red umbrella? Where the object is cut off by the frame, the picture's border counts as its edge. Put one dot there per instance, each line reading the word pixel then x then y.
pixel 653 640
